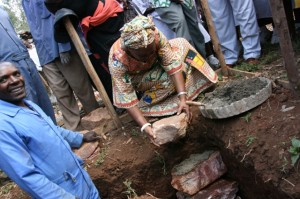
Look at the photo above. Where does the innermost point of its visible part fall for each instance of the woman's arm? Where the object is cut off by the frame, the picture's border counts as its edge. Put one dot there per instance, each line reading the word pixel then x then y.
pixel 137 115
pixel 179 83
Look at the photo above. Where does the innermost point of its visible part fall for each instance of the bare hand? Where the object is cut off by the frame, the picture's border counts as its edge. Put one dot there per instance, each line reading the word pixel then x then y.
pixel 151 135
pixel 183 107
pixel 90 136
pixel 65 57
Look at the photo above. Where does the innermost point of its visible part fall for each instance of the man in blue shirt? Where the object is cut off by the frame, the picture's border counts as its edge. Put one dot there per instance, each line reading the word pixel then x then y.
pixel 61 64
pixel 35 153
pixel 13 50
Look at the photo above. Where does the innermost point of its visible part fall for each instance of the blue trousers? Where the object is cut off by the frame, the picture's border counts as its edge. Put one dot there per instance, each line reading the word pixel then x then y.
pixel 227 14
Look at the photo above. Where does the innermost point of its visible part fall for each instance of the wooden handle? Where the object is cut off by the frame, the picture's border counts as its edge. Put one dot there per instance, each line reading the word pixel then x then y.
pixel 191 103
pixel 214 37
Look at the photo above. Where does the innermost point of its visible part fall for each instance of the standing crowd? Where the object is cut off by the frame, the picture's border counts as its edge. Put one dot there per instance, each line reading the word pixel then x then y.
pixel 152 56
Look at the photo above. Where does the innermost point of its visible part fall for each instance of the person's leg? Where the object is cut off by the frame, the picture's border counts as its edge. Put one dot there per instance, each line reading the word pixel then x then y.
pixel 173 16
pixel 245 17
pixel 197 37
pixel 78 79
pixel 63 93
pixel 162 26
pixel 225 27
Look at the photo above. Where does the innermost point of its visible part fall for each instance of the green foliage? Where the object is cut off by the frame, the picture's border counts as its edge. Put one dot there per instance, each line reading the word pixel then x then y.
pixel 249 67
pixel 250 140
pixel 101 157
pixel 130 192
pixel 162 161
pixel 295 150
pixel 283 166
pixel 220 77
pixel 269 58
pixel 134 132
pixel 17 16
pixel 6 188
pixel 247 117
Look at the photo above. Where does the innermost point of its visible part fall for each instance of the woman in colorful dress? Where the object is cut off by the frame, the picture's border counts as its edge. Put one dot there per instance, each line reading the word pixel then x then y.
pixel 152 76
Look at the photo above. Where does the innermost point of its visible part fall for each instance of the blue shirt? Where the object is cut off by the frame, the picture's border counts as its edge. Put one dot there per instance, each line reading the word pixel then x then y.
pixel 40 21
pixel 10 44
pixel 36 154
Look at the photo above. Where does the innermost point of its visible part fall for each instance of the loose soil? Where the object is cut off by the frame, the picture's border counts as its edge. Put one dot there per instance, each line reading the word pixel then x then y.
pixel 254 146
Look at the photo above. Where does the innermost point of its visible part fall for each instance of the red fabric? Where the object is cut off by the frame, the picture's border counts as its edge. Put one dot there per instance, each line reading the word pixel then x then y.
pixel 102 13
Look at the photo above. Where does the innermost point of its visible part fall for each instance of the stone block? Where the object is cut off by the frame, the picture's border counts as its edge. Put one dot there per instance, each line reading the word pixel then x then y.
pixel 170 129
pixel 198 171
pixel 97 118
pixel 87 150
pixel 221 189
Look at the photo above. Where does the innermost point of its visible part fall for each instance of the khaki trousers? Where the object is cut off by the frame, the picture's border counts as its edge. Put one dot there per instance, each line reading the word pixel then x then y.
pixel 67 80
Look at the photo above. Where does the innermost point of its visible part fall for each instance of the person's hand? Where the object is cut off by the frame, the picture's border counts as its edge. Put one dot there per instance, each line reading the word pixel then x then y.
pixel 177 1
pixel 151 135
pixel 149 11
pixel 183 107
pixel 65 57
pixel 90 136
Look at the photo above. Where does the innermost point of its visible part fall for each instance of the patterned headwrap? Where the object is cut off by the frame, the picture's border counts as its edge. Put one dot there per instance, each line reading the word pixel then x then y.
pixel 138 33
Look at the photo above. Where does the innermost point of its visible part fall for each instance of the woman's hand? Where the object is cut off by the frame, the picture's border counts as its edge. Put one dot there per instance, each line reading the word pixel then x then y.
pixel 137 115
pixel 183 107
pixel 151 135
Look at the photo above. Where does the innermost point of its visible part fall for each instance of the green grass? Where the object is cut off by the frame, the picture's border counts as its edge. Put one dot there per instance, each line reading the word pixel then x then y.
pixel 130 192
pixel 250 140
pixel 247 117
pixel 248 67
pixel 101 157
pixel 162 161
pixel 294 150
pixel 134 132
pixel 6 188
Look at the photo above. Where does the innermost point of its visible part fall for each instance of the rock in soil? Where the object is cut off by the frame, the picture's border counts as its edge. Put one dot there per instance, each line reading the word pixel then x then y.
pixel 198 171
pixel 221 189
pixel 95 119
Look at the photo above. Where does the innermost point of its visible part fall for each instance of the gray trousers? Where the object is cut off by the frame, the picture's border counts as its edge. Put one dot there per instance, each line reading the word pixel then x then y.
pixel 67 80
pixel 183 21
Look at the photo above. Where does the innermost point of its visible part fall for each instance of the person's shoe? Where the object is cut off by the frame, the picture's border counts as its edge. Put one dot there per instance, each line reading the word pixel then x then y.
pixel 230 65
pixel 264 35
pixel 275 38
pixel 251 61
pixel 213 62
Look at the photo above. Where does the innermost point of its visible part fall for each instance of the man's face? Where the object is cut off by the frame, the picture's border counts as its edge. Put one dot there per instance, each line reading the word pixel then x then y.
pixel 12 87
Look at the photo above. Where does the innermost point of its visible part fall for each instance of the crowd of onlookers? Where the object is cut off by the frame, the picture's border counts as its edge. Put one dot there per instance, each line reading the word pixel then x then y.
pixel 241 26
pixel 152 56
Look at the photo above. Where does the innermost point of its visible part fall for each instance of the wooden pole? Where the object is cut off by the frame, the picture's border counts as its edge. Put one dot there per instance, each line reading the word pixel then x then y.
pixel 287 4
pixel 214 38
pixel 287 51
pixel 90 69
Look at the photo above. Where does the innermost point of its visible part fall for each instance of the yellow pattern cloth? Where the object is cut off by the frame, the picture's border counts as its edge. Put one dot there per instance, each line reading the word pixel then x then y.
pixel 138 33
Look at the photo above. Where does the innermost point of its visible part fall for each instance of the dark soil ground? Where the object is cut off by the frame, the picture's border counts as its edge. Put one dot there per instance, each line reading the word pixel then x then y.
pixel 254 146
